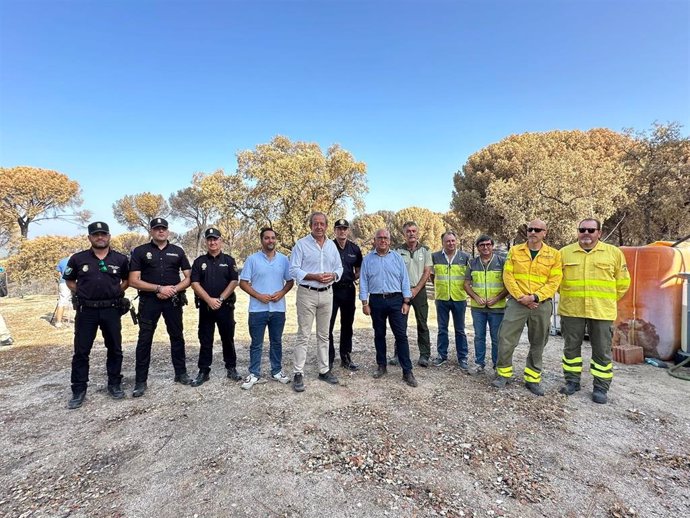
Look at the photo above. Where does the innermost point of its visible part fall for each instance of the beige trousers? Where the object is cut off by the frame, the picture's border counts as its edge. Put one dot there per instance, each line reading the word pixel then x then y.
pixel 4 332
pixel 312 305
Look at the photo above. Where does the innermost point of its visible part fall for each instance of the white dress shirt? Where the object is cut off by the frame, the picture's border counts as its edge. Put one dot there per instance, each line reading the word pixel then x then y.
pixel 308 257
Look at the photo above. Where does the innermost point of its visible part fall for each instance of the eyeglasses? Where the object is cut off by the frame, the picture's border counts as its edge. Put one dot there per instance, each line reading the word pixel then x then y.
pixel 537 230
pixel 482 245
pixel 101 266
pixel 590 230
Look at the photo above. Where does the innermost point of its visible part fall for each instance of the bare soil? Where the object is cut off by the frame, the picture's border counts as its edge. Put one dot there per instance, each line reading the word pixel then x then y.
pixel 454 446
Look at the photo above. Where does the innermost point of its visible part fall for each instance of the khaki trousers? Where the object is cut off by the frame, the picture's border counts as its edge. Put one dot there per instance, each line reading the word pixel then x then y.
pixel 312 305
pixel 538 323
pixel 4 332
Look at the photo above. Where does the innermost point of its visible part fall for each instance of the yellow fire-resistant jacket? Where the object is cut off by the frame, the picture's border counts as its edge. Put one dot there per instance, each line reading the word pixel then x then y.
pixel 593 282
pixel 540 277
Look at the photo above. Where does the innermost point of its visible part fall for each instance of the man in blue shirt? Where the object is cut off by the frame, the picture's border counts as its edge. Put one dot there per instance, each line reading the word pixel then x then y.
pixel 266 278
pixel 384 289
pixel 64 294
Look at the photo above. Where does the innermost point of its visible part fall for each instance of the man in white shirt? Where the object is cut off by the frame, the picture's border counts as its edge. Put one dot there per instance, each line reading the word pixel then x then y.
pixel 315 265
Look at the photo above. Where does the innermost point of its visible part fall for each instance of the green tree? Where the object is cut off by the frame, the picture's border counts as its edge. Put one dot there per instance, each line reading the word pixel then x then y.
pixel 281 183
pixel 31 194
pixel 137 210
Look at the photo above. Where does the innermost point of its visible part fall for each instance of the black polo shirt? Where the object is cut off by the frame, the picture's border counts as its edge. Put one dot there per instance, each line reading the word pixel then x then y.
pixel 93 284
pixel 351 257
pixel 161 267
pixel 214 273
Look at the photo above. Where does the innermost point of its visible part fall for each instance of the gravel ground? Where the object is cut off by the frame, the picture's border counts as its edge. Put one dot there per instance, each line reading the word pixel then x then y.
pixel 454 446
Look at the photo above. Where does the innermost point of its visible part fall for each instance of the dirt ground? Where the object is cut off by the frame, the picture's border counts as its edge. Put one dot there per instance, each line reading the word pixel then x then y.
pixel 454 446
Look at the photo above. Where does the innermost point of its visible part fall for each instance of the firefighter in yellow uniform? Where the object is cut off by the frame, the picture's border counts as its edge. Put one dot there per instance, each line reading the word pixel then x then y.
pixel 595 277
pixel 531 274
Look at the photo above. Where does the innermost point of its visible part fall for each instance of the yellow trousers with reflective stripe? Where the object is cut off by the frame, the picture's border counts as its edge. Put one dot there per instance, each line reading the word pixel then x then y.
pixel 600 334
pixel 538 323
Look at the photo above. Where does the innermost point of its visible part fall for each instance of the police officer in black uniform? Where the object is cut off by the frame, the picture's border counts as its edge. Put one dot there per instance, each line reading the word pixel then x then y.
pixel 154 270
pixel 214 279
pixel 98 276
pixel 344 295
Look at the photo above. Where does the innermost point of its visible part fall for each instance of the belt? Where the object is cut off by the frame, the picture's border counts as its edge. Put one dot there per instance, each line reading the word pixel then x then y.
pixel 386 295
pixel 108 303
pixel 315 289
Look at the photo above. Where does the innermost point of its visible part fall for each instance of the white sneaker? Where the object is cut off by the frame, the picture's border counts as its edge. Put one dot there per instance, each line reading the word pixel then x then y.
pixel 281 377
pixel 250 381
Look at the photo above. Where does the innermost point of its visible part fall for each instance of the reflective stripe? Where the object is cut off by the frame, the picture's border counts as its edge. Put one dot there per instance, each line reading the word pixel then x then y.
pixel 593 294
pixel 532 376
pixel 600 371
pixel 506 372
pixel 588 282
pixel 572 364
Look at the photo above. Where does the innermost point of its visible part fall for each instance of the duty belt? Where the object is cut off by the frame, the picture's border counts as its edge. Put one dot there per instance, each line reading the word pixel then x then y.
pixel 107 303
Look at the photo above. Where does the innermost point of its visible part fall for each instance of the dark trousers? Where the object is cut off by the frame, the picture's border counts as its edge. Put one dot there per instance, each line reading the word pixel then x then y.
pixel 390 308
pixel 150 310
pixel 420 304
pixel 343 300
pixel 86 324
pixel 224 318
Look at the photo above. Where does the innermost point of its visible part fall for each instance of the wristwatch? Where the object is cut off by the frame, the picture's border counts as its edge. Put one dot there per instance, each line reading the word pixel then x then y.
pixel 536 298
pixel 221 298
pixel 406 301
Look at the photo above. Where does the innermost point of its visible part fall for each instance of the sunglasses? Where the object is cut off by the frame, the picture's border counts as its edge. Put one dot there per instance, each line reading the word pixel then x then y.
pixel 537 230
pixel 584 230
pixel 101 266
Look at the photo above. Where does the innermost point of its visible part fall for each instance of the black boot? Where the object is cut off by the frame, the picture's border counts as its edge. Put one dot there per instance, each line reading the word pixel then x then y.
pixel 77 399
pixel 201 377
pixel 139 389
pixel 183 378
pixel 115 390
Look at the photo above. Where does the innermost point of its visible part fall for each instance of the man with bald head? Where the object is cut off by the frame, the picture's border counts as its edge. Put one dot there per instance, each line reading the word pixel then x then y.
pixel 532 274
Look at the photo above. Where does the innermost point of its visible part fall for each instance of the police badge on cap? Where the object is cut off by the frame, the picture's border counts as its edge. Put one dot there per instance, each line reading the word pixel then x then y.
pixel 158 222
pixel 98 226
pixel 212 233
pixel 341 223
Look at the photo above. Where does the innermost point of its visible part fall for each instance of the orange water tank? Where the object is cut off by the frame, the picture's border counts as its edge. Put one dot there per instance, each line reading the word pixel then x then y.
pixel 649 315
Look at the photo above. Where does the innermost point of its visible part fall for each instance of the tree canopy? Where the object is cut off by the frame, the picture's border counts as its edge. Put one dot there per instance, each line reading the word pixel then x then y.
pixel 558 176
pixel 31 194
pixel 281 183
pixel 137 210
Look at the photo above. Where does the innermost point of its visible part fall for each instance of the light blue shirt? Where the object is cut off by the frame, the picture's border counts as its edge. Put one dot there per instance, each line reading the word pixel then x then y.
pixel 383 274
pixel 308 257
pixel 61 267
pixel 266 276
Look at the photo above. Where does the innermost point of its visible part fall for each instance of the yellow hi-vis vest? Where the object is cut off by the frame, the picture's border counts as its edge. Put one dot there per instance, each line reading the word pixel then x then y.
pixel 449 278
pixel 593 281
pixel 487 281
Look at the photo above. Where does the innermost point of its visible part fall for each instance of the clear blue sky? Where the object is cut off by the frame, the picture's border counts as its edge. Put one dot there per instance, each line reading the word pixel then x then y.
pixel 133 96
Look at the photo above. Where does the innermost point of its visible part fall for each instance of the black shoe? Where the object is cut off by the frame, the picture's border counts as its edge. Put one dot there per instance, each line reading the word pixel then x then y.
pixel 499 382
pixel 139 389
pixel 423 361
pixel 380 372
pixel 349 365
pixel 115 390
pixel 233 374
pixel 298 382
pixel 77 400
pixel 535 388
pixel 569 388
pixel 201 377
pixel 408 378
pixel 328 377
pixel 183 378
pixel 7 343
pixel 599 396
pixel 393 361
